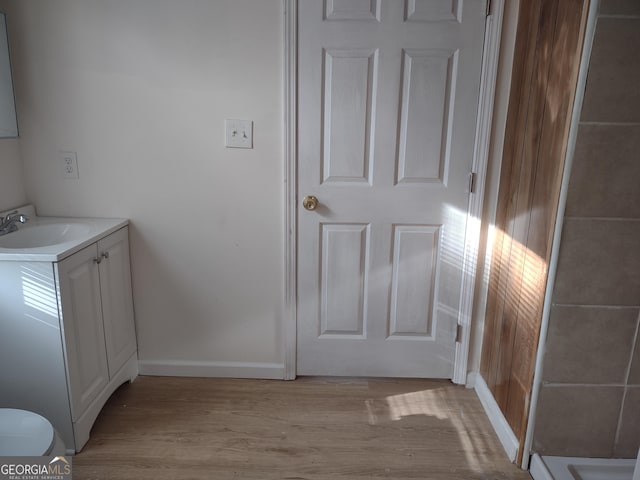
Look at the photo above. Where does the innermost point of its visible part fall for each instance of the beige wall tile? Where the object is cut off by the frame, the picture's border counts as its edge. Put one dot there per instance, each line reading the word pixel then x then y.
pixel 606 172
pixel 613 83
pixel 589 344
pixel 599 263
pixel 628 440
pixel 577 421
pixel 620 7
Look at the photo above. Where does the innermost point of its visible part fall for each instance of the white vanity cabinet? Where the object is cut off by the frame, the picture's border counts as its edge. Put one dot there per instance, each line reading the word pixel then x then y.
pixel 96 309
pixel 67 334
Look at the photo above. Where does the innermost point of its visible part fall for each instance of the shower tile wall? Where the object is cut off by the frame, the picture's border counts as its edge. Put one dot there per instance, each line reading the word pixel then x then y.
pixel 590 399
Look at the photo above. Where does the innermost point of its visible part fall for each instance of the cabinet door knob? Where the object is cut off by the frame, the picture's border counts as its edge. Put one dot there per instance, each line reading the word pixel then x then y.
pixel 105 254
pixel 97 260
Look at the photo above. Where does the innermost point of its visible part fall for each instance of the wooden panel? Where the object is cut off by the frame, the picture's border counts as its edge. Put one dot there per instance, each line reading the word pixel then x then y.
pixel 349 106
pixel 519 294
pixel 566 50
pixel 352 10
pixel 503 267
pixel 433 10
pixel 415 254
pixel 344 272
pixel 427 97
pixel 548 49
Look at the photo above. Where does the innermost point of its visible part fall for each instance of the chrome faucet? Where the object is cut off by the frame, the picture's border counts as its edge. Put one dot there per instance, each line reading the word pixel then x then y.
pixel 8 223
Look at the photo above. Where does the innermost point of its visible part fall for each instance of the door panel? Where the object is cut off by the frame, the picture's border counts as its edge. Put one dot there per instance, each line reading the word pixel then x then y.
pixel 387 99
pixel 352 9
pixel 415 252
pixel 433 10
pixel 349 91
pixel 344 274
pixel 424 126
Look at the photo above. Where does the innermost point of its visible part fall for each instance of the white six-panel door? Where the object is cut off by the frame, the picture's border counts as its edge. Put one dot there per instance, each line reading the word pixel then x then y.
pixel 387 100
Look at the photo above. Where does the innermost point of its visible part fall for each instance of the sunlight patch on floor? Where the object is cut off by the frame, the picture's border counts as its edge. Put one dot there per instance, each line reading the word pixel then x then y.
pixel 441 404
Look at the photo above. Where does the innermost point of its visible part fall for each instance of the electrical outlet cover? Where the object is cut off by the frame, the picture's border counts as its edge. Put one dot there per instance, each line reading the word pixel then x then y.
pixel 69 165
pixel 238 133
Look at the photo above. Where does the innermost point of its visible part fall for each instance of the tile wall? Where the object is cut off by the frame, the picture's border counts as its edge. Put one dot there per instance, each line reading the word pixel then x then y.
pixel 590 400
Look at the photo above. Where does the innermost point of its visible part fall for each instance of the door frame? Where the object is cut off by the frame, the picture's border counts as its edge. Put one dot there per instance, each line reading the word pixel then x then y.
pixel 493 31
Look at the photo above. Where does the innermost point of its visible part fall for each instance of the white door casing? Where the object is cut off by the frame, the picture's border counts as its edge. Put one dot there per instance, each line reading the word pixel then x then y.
pixel 387 102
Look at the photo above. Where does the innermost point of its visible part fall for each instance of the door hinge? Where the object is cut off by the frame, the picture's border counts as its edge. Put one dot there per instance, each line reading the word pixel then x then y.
pixel 472 182
pixel 488 12
pixel 458 333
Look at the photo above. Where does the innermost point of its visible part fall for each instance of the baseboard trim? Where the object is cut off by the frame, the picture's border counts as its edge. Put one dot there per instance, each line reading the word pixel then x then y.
pixel 183 368
pixel 471 380
pixel 498 422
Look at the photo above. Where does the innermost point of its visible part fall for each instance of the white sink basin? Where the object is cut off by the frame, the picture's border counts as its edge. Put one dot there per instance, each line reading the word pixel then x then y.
pixel 52 239
pixel 42 235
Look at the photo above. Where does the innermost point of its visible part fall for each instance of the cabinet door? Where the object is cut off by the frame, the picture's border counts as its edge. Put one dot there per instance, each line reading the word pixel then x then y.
pixel 81 313
pixel 117 303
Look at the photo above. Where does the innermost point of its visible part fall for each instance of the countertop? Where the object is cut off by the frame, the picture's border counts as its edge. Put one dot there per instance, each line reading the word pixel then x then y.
pixel 93 230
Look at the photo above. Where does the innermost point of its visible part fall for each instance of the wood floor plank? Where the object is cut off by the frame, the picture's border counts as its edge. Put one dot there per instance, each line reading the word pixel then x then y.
pixel 312 428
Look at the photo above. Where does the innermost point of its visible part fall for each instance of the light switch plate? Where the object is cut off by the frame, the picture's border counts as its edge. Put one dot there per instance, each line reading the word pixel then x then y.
pixel 69 165
pixel 238 133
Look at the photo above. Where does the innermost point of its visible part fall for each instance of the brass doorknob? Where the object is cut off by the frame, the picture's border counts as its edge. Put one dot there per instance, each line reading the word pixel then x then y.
pixel 310 202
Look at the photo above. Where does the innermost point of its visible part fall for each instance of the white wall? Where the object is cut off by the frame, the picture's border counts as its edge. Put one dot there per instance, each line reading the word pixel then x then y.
pixel 140 90
pixel 12 192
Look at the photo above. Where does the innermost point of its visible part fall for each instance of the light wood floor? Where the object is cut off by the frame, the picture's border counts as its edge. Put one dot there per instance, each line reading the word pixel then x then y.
pixel 312 428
